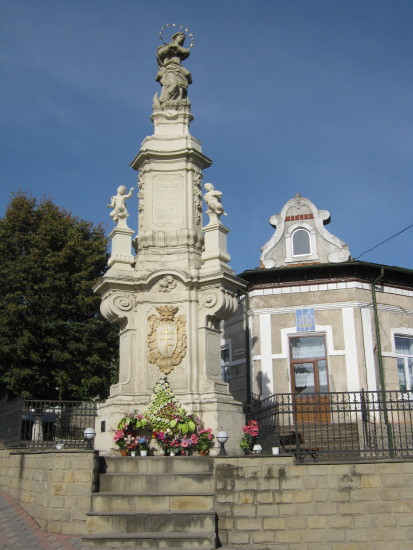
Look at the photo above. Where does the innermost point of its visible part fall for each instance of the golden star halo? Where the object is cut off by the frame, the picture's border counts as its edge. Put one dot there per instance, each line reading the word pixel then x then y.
pixel 175 27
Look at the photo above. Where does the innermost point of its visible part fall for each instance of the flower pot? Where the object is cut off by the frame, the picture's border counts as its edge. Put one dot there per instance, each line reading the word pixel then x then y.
pixel 124 452
pixel 133 453
pixel 172 452
pixel 203 452
pixel 144 453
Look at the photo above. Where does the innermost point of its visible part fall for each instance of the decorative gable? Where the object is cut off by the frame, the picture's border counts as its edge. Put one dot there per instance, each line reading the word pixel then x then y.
pixel 300 237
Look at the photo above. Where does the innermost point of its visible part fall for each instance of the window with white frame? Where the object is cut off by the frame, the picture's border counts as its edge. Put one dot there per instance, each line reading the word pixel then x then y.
pixel 404 352
pixel 225 360
pixel 301 242
pixel 308 362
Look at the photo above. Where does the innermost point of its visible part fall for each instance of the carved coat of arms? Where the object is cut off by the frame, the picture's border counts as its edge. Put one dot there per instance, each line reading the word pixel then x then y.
pixel 166 338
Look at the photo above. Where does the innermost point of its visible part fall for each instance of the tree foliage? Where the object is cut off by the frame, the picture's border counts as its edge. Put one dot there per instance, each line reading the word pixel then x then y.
pixel 54 344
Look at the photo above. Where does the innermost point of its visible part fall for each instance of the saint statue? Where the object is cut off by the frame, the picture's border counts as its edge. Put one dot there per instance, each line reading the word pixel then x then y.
pixel 173 77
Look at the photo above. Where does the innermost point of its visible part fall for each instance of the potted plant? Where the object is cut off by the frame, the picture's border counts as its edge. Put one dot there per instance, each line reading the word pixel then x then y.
pixel 143 444
pixel 174 447
pixel 182 422
pixel 249 437
pixel 131 442
pixel 205 441
pixel 188 444
pixel 164 439
pixel 119 439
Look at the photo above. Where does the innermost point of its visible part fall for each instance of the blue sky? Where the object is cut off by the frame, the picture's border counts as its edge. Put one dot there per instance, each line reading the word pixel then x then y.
pixel 289 96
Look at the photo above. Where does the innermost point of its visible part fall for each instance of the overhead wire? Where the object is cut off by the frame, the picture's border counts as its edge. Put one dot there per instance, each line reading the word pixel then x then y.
pixel 385 241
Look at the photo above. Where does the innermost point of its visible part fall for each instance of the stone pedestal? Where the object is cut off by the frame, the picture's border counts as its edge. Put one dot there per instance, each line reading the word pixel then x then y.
pixel 215 256
pixel 121 238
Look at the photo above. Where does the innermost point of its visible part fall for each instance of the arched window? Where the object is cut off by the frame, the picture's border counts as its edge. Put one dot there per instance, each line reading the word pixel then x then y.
pixel 301 242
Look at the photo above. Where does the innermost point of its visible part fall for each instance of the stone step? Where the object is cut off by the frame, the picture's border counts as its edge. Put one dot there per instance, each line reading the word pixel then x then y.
pixel 152 502
pixel 153 541
pixel 157 464
pixel 161 522
pixel 142 483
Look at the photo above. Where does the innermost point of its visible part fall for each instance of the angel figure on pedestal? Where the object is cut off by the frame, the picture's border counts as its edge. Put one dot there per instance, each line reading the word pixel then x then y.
pixel 213 199
pixel 118 203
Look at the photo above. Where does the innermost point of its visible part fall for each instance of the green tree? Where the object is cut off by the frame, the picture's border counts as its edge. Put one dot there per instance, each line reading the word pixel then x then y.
pixel 54 344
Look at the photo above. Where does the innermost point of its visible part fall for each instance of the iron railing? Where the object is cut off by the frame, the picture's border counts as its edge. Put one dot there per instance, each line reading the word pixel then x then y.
pixel 339 426
pixel 28 423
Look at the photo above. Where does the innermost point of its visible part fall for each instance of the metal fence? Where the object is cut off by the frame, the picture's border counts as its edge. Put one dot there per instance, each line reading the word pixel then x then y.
pixel 339 426
pixel 27 423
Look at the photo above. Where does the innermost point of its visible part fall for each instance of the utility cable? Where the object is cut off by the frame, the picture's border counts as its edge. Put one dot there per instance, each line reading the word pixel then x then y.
pixel 385 241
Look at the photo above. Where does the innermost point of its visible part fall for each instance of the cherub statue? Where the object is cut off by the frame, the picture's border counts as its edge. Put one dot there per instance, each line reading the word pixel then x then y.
pixel 118 203
pixel 213 199
pixel 173 77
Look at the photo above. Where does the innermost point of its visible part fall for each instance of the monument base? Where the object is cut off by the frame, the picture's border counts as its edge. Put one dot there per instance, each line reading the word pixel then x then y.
pixel 218 412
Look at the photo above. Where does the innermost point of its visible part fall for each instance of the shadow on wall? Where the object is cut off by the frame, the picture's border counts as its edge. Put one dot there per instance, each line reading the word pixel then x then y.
pixel 263 384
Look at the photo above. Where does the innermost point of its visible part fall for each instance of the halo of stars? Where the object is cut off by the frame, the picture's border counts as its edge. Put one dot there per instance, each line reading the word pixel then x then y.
pixel 177 28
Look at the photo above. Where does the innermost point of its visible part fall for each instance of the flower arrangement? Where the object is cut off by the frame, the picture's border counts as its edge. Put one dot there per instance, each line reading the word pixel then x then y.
pixel 250 432
pixel 188 444
pixel 184 423
pixel 167 423
pixel 131 442
pixel 165 439
pixel 119 439
pixel 163 406
pixel 128 429
pixel 205 440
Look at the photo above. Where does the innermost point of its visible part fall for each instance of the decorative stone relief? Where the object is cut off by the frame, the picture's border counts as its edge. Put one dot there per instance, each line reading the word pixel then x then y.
pixel 198 197
pixel 118 203
pixel 167 283
pixel 167 340
pixel 218 304
pixel 210 298
pixel 117 306
pixel 140 197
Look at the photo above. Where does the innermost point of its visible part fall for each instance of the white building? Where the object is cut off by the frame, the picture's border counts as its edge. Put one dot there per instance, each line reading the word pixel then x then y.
pixel 318 321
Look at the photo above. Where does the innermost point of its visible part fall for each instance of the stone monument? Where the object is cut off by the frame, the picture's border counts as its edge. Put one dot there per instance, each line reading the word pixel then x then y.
pixel 171 295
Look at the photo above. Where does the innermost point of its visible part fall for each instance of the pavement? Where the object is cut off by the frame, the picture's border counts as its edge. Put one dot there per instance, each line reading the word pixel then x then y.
pixel 19 531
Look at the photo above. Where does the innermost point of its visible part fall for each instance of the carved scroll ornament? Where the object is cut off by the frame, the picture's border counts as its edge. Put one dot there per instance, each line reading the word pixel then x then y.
pixel 167 340
pixel 221 302
pixel 117 306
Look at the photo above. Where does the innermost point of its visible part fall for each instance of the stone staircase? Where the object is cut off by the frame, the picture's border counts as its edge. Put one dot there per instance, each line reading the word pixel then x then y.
pixel 153 502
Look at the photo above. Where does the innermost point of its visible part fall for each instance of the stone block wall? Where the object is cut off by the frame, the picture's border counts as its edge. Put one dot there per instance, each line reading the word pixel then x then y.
pixel 262 503
pixel 272 503
pixel 54 487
